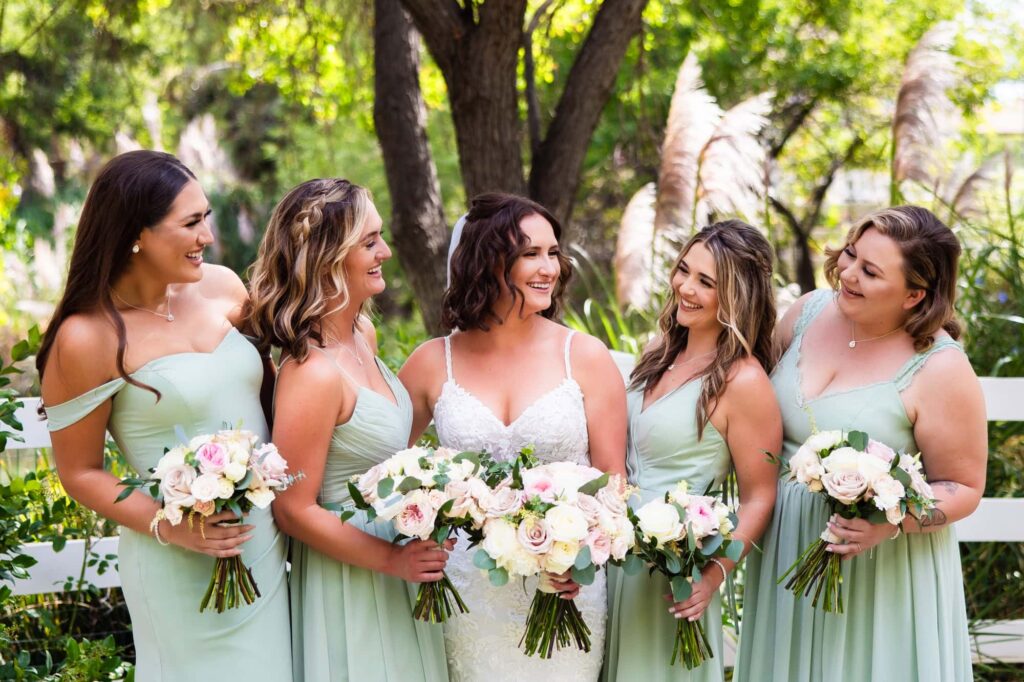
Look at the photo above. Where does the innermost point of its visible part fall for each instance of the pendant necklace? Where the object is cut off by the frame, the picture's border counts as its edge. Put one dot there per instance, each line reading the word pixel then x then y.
pixel 168 316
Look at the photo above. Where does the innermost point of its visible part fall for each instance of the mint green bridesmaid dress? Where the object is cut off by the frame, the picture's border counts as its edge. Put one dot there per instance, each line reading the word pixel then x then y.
pixel 662 450
pixel 163 585
pixel 349 623
pixel 905 616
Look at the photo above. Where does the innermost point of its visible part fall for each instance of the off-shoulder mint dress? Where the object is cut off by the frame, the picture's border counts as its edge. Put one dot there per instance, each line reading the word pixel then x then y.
pixel 662 449
pixel 905 616
pixel 350 623
pixel 163 585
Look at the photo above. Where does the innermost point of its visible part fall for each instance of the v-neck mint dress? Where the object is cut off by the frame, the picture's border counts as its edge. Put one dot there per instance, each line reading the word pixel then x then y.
pixel 905 616
pixel 662 449
pixel 163 585
pixel 350 623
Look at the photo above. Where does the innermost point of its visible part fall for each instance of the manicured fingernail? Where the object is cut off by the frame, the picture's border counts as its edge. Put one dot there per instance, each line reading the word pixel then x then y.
pixel 678 615
pixel 693 618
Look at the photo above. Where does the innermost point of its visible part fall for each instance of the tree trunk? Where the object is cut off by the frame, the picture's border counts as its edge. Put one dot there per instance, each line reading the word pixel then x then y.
pixel 556 169
pixel 419 231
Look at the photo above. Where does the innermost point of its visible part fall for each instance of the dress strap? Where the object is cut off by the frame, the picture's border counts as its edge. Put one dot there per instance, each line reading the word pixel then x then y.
pixel 812 308
pixel 338 366
pixel 448 356
pixel 916 362
pixel 568 344
pixel 78 408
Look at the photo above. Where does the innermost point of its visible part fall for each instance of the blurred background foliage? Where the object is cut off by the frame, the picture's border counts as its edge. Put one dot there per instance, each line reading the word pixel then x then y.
pixel 256 96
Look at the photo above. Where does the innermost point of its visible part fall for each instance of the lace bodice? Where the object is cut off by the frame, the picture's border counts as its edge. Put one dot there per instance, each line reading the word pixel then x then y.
pixel 483 645
pixel 555 423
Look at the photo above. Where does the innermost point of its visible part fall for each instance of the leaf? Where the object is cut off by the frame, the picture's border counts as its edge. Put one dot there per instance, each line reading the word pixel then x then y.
pixel 124 494
pixel 712 544
pixel 385 487
pixel 441 534
pixel 592 487
pixel 357 497
pixel 59 542
pixel 858 440
pixel 691 539
pixel 583 558
pixel 483 560
pixel 20 351
pixel 671 562
pixel 900 475
pixel 696 574
pixel 681 588
pixel 632 564
pixel 409 483
pixel 498 576
pixel 346 515
pixel 584 576
pixel 735 550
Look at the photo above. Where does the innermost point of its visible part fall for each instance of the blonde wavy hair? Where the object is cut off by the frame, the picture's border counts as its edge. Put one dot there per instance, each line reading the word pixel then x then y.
pixel 931 254
pixel 746 310
pixel 299 271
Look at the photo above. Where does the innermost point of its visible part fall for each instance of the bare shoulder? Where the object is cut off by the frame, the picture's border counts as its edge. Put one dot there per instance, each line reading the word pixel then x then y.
pixel 948 368
pixel 424 364
pixel 221 282
pixel 314 376
pixel 83 356
pixel 747 378
pixel 784 330
pixel 587 349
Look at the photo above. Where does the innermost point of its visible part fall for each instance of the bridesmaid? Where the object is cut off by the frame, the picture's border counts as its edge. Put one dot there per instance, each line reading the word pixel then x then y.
pixel 700 404
pixel 143 342
pixel 338 411
pixel 878 354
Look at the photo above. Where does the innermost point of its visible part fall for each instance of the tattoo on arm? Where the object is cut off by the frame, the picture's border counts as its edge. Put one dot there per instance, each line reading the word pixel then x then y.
pixel 949 486
pixel 933 517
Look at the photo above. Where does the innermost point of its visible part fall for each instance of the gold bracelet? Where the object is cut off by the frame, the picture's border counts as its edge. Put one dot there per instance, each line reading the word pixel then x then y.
pixel 154 526
pixel 721 566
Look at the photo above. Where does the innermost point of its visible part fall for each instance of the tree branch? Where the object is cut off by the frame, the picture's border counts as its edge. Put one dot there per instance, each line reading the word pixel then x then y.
pixel 443 24
pixel 557 166
pixel 529 75
pixel 794 113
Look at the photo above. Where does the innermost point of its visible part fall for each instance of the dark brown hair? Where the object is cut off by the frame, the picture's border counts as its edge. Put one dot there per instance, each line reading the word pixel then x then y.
pixel 746 310
pixel 134 191
pixel 931 253
pixel 491 241
pixel 300 266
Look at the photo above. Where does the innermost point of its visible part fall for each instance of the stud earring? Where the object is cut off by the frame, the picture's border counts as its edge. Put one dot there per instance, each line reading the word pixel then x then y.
pixel 136 248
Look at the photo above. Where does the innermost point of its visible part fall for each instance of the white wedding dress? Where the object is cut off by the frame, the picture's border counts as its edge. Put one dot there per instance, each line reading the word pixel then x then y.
pixel 483 645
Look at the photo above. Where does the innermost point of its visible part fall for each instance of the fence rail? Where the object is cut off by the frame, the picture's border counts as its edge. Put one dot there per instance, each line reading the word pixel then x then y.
pixel 995 520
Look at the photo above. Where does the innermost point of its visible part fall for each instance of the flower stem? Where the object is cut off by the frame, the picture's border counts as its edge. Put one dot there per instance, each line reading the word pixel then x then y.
pixel 554 622
pixel 434 601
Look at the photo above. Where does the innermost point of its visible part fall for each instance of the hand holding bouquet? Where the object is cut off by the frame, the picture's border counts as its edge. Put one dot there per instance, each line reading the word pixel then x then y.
pixel 429 494
pixel 859 478
pixel 678 536
pixel 224 471
pixel 552 519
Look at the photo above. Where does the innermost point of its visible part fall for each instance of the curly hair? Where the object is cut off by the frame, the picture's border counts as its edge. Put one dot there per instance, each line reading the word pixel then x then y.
pixel 492 240
pixel 746 310
pixel 299 269
pixel 931 253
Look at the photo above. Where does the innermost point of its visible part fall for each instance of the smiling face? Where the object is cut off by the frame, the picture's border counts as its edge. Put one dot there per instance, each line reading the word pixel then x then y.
pixel 363 263
pixel 535 272
pixel 872 284
pixel 695 286
pixel 173 248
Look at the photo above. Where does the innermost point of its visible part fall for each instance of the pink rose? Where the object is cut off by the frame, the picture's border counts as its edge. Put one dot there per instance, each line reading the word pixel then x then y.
pixel 416 518
pixel 212 457
pixel 881 451
pixel 701 517
pixel 270 464
pixel 600 546
pixel 845 486
pixel 502 502
pixel 537 483
pixel 612 496
pixel 533 536
pixel 592 509
pixel 176 486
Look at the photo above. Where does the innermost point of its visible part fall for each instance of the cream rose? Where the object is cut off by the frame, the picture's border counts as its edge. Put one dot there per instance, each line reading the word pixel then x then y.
pixel 888 492
pixel 824 440
pixel 503 501
pixel 176 485
pixel 807 468
pixel 206 488
pixel 566 523
pixel 613 500
pixel 175 457
pixel 600 545
pixel 499 539
pixel 894 515
pixel 561 557
pixel 845 486
pixel 842 460
pixel 660 521
pixel 234 471
pixel 464 503
pixel 533 535
pixel 260 497
pixel 367 482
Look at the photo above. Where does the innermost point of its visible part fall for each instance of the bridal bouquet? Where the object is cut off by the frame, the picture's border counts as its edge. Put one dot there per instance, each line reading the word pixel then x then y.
pixel 210 474
pixel 859 478
pixel 678 535
pixel 551 519
pixel 429 494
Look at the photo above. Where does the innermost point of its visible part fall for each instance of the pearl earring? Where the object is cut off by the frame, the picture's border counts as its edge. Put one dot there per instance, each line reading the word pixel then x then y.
pixel 136 248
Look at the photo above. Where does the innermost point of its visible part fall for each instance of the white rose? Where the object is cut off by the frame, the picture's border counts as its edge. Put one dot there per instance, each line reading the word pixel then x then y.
pixel 173 514
pixel 806 468
pixel 533 535
pixel 660 520
pixel 437 498
pixel 176 485
pixel 724 522
pixel 405 461
pixel 845 486
pixel 366 483
pixel 500 539
pixel 416 516
pixel 620 546
pixel 894 515
pixel 199 441
pixel 207 487
pixel 234 471
pixel 592 509
pixel 464 503
pixel 504 501
pixel 260 497
pixel 561 557
pixel 270 463
pixel 842 460
pixel 824 440
pixel 912 465
pixel 613 499
pixel 566 523
pixel 600 545
pixel 225 488
pixel 872 467
pixel 888 492
pixel 175 457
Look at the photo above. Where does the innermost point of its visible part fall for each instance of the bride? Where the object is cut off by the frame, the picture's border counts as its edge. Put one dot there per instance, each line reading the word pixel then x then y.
pixel 509 376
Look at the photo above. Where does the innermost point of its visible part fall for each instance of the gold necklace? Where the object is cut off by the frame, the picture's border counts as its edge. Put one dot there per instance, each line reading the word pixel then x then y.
pixel 167 301
pixel 686 362
pixel 853 341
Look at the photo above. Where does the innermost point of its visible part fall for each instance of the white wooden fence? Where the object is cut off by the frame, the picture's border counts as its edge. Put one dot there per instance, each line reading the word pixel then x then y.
pixel 995 520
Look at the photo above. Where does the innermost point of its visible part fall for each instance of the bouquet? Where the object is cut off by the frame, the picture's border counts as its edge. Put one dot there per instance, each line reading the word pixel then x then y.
pixel 551 519
pixel 859 478
pixel 429 494
pixel 677 536
pixel 210 474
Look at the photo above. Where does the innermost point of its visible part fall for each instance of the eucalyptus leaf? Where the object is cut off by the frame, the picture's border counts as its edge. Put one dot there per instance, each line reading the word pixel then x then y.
pixel 681 588
pixel 409 483
pixel 498 576
pixel 584 576
pixel 583 558
pixel 632 564
pixel 735 550
pixel 592 487
pixel 858 440
pixel 483 560
pixel 385 487
pixel 711 544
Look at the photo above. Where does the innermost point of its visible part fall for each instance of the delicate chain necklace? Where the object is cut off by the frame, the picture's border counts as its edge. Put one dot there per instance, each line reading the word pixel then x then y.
pixel 167 301
pixel 854 341
pixel 337 342
pixel 686 362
